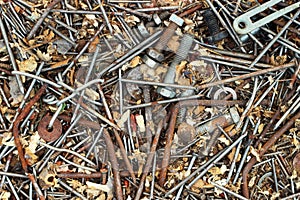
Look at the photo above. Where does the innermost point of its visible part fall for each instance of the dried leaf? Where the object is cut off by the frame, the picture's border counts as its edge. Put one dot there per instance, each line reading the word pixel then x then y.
pixel 275 195
pixel 31 158
pixel 47 179
pixel 132 20
pixel 15 92
pixel 92 47
pixel 60 63
pixel 224 140
pixel 135 61
pixel 123 119
pixel 140 122
pixel 43 56
pixel 255 153
pixel 28 65
pixel 92 94
pixel 5 195
pixel 260 128
pixel 252 181
pixel 108 187
pixel 215 171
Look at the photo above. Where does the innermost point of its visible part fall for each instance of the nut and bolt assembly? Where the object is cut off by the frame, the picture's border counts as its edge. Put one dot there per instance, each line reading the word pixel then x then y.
pixel 181 54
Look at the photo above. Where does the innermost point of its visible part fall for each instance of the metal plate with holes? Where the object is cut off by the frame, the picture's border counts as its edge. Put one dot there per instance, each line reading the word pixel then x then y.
pixel 243 24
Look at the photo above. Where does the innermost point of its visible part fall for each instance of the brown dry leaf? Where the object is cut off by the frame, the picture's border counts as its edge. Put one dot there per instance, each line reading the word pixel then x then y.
pixel 140 122
pixel 268 113
pixel 60 63
pixel 278 60
pixel 261 128
pixel 254 152
pixel 34 141
pixel 31 158
pixel 231 156
pixel 101 197
pixel 183 81
pixel 5 195
pixel 71 75
pixel 198 110
pixel 43 56
pixel 179 69
pixel 90 19
pixel 94 187
pixel 224 140
pixel 135 61
pixel 216 170
pixel 28 65
pixel 49 36
pixel 47 179
pixel 252 181
pixel 92 47
pixel 198 185
pixel 92 94
pixel 123 119
pixel 229 128
pixel 132 20
pixel 275 195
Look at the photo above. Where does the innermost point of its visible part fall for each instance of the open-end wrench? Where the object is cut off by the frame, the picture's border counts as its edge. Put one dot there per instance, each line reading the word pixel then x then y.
pixel 243 23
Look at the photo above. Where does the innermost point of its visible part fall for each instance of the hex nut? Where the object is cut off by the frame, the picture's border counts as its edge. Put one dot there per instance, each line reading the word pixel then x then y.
pixel 234 115
pixel 176 19
pixel 150 62
pixel 143 30
pixel 156 55
pixel 166 92
pixel 156 19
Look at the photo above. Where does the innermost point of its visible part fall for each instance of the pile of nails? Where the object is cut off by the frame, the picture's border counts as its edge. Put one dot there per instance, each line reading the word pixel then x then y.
pixel 149 99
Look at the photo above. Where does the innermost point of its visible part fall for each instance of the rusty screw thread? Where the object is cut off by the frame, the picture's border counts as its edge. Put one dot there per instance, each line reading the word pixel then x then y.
pixel 169 32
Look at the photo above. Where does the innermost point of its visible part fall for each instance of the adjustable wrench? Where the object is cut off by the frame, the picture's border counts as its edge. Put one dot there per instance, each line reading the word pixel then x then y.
pixel 243 23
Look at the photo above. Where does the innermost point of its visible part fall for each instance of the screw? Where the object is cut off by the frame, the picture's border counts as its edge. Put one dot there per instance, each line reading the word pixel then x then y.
pixel 181 54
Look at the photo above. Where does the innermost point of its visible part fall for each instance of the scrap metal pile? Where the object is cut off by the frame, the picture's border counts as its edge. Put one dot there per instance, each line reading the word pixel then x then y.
pixel 141 99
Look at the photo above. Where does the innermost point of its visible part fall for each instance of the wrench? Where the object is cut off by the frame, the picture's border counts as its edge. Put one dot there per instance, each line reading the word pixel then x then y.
pixel 243 23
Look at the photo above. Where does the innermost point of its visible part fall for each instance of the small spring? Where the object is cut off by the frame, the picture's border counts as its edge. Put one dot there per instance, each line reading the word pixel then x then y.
pixel 212 22
pixel 50 99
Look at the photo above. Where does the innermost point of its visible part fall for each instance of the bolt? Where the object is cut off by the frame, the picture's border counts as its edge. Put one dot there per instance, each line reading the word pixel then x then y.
pixel 182 111
pixel 181 54
pixel 213 28
pixel 175 21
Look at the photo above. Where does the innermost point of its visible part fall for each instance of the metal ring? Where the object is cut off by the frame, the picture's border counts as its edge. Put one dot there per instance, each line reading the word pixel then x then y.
pixel 226 89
